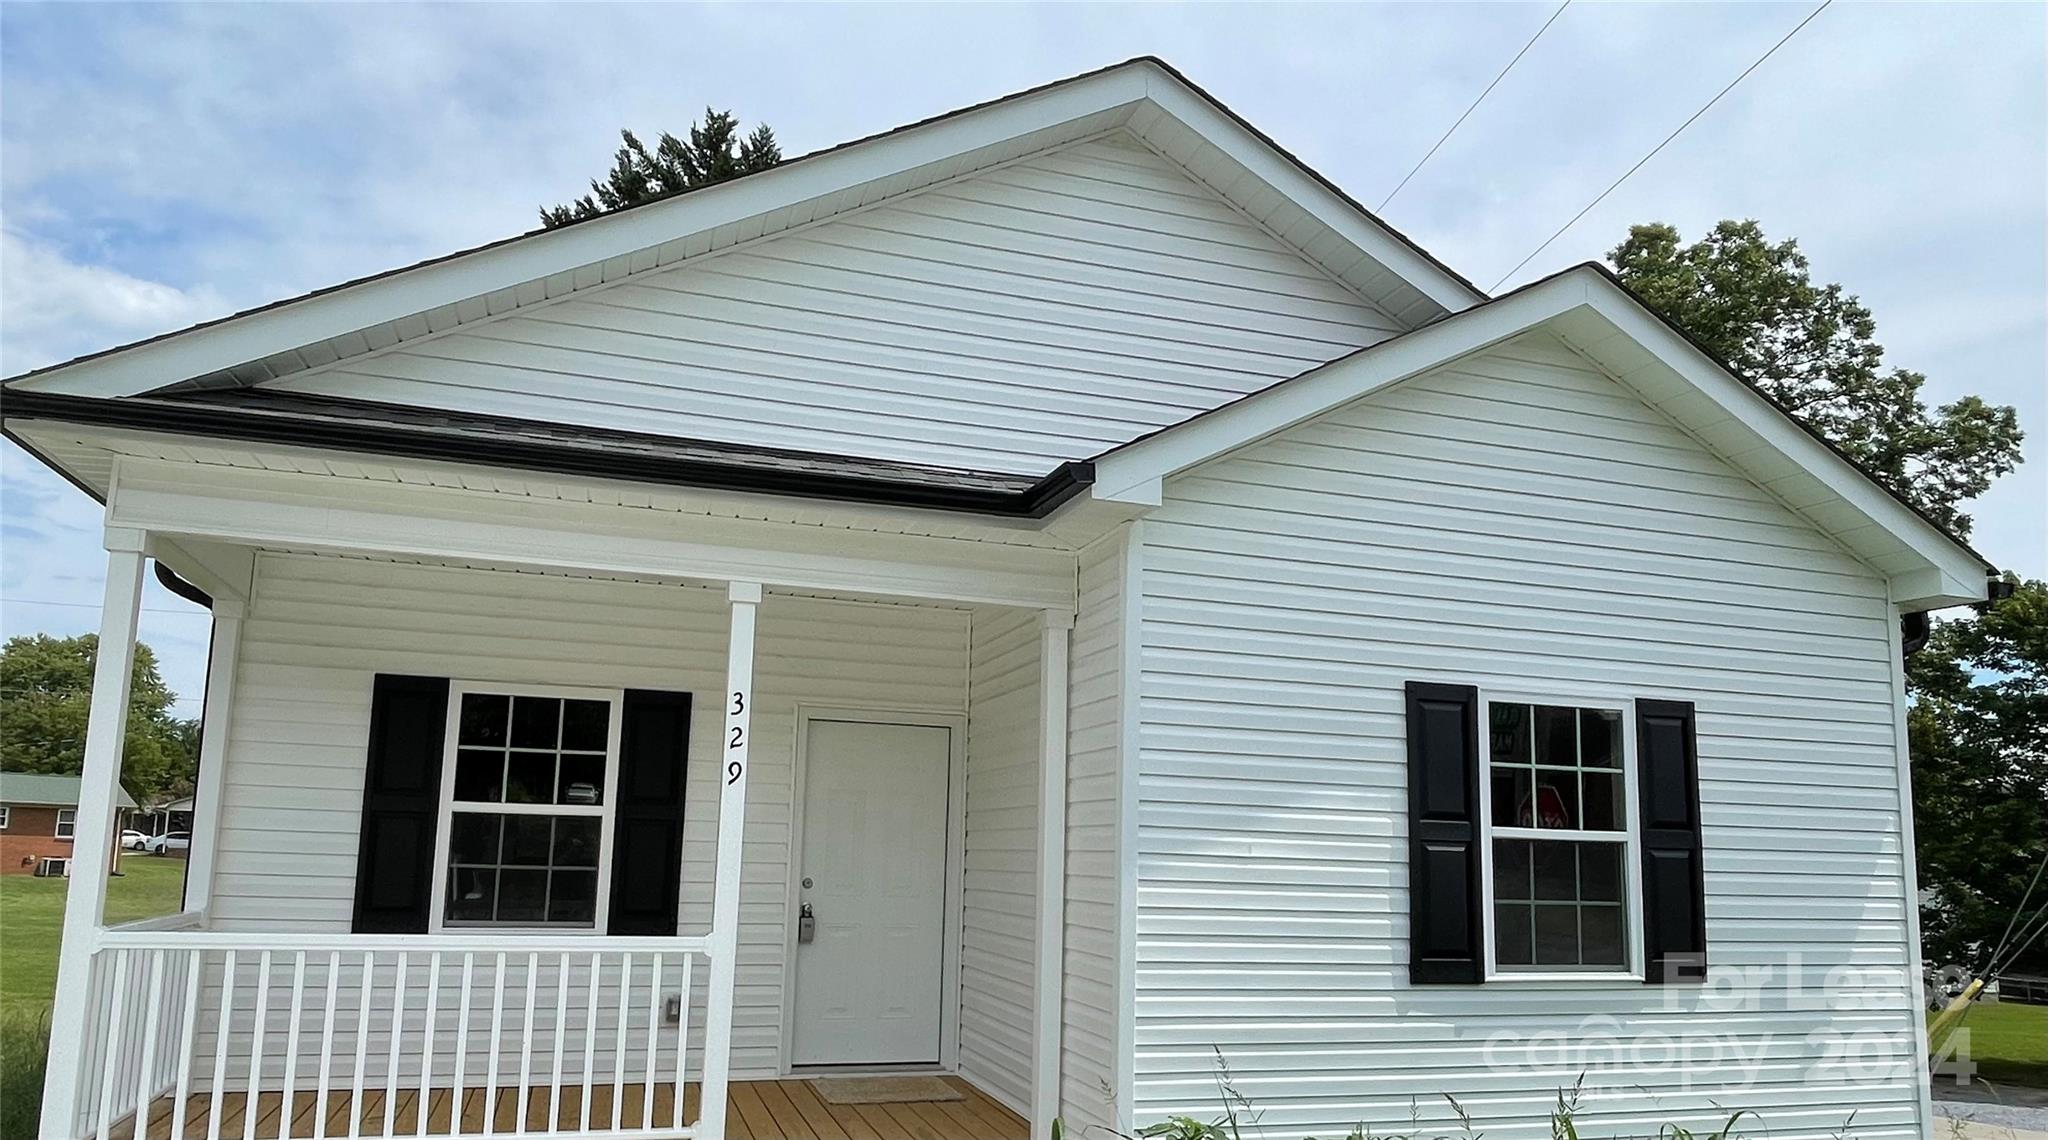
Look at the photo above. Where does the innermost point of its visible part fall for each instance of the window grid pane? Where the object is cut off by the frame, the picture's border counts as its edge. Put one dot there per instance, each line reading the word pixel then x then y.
pixel 1558 901
pixel 527 868
pixel 513 750
pixel 1549 773
pixel 510 866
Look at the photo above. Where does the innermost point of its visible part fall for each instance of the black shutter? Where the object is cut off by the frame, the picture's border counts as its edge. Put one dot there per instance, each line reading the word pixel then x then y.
pixel 1674 882
pixel 647 823
pixel 401 804
pixel 1443 834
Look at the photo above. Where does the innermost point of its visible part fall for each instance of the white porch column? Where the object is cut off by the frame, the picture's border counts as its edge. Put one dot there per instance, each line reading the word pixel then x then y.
pixel 1055 627
pixel 732 821
pixel 85 898
pixel 222 655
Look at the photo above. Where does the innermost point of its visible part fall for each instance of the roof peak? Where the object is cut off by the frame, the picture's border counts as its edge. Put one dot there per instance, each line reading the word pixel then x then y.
pixel 1143 93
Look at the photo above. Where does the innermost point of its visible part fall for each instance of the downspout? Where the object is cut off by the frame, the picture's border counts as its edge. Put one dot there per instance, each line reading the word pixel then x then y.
pixel 179 586
pixel 170 580
pixel 1915 629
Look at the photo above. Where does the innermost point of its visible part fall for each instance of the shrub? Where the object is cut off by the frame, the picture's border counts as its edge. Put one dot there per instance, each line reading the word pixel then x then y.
pixel 24 1039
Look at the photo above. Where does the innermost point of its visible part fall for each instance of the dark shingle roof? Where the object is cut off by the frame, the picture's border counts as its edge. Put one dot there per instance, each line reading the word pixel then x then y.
pixel 265 415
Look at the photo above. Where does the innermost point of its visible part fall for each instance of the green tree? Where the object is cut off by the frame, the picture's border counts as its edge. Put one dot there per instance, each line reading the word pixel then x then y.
pixel 45 695
pixel 714 152
pixel 1979 731
pixel 1813 349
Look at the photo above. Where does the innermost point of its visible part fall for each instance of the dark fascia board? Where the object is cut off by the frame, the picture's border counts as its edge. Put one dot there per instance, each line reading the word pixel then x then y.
pixel 1034 500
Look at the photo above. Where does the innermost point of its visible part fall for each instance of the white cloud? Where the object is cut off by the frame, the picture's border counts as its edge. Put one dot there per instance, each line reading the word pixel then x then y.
pixel 52 566
pixel 53 308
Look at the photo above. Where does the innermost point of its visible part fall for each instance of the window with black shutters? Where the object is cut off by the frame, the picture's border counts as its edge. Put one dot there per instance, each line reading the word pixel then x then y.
pixel 1560 837
pixel 529 782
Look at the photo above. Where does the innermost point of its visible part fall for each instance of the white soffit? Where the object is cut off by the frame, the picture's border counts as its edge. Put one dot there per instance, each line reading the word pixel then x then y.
pixel 1143 96
pixel 1597 318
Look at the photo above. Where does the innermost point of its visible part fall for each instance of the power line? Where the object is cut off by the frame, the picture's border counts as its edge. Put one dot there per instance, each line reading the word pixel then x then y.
pixel 1667 142
pixel 1476 102
pixel 2028 935
pixel 2025 898
pixel 193 612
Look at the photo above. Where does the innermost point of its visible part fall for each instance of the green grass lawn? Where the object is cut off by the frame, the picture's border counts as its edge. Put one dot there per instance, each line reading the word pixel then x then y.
pixel 31 924
pixel 2009 1043
pixel 32 918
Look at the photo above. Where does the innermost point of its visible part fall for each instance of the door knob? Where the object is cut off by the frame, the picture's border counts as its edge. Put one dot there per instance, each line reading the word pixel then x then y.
pixel 806 924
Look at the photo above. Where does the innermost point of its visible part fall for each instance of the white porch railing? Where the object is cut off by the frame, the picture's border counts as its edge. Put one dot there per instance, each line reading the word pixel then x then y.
pixel 213 1035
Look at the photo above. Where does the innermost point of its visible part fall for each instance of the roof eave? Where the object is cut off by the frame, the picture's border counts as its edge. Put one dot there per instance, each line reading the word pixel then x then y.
pixel 615 244
pixel 178 417
pixel 1948 572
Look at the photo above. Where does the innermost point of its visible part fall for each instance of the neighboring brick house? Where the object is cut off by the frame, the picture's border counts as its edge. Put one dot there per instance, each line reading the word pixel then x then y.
pixel 37 816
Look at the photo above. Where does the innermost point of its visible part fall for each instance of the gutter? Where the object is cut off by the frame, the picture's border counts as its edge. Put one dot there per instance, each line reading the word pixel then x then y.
pixel 1034 501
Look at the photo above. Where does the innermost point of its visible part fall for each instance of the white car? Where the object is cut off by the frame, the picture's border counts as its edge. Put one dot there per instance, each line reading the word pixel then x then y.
pixel 132 840
pixel 168 842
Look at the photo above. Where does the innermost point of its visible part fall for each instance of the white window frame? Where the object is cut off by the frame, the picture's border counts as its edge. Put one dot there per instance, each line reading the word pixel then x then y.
pixel 67 823
pixel 1631 841
pixel 6 816
pixel 448 806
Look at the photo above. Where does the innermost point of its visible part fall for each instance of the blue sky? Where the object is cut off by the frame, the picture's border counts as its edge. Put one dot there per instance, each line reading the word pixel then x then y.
pixel 163 164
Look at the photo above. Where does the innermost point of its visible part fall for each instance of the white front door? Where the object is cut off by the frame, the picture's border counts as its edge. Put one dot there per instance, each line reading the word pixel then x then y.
pixel 874 875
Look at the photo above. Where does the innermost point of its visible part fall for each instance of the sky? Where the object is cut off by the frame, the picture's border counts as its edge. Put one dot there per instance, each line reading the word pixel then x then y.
pixel 164 164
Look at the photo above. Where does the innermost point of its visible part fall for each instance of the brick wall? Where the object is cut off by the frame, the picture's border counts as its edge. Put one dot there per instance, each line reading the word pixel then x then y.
pixel 31 836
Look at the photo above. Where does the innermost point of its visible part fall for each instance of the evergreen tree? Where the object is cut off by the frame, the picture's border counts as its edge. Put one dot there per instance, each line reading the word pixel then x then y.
pixel 714 152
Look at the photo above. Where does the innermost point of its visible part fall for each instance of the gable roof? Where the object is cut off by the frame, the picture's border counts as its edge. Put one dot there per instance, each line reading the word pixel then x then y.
pixel 39 790
pixel 1146 96
pixel 1446 317
pixel 1588 308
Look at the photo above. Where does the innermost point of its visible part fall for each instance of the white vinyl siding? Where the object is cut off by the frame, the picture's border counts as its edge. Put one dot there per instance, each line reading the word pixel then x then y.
pixel 1037 312
pixel 319 628
pixel 999 900
pixel 1089 1010
pixel 1515 521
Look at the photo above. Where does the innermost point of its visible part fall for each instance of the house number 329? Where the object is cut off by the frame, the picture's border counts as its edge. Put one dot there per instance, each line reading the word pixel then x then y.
pixel 734 769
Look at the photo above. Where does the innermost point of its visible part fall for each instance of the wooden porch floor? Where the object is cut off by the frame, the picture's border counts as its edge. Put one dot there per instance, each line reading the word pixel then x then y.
pixel 759 1110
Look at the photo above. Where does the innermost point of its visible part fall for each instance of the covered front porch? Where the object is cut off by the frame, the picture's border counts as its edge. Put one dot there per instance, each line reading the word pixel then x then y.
pixel 844 694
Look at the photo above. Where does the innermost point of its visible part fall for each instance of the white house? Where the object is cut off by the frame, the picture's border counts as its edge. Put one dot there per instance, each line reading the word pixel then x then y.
pixel 1015 598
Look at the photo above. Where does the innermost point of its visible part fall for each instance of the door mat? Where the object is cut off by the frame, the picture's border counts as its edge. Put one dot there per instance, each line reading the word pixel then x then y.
pixel 883 1090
